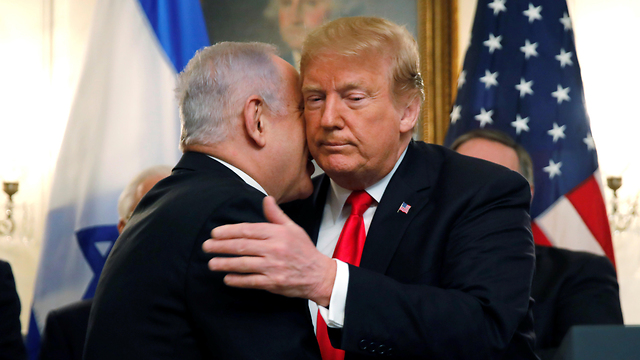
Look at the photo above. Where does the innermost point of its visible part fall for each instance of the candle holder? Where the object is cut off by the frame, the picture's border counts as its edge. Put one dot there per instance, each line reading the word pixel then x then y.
pixel 618 219
pixel 8 225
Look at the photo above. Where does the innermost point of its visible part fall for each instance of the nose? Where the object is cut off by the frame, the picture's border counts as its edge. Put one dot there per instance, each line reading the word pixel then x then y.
pixel 331 116
pixel 296 10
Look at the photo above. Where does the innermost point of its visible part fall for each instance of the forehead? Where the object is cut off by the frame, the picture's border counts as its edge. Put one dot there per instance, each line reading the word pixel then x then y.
pixel 340 70
pixel 491 151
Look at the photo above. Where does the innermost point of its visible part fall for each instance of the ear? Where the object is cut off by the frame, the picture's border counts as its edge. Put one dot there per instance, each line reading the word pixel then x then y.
pixel 121 224
pixel 255 120
pixel 410 115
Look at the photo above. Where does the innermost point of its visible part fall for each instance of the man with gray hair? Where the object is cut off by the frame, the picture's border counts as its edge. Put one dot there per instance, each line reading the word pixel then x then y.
pixel 66 327
pixel 242 138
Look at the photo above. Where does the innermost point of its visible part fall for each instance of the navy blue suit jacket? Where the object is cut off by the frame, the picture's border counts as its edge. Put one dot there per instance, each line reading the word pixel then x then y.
pixel 450 279
pixel 571 288
pixel 65 331
pixel 11 344
pixel 157 299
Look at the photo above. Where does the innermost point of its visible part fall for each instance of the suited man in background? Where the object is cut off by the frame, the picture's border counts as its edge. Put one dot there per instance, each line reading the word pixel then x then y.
pixel 66 327
pixel 11 344
pixel 447 260
pixel 569 287
pixel 242 138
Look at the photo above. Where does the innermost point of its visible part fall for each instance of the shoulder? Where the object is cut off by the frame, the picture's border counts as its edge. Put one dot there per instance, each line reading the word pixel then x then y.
pixel 563 261
pixel 6 275
pixel 79 309
pixel 454 177
pixel 5 268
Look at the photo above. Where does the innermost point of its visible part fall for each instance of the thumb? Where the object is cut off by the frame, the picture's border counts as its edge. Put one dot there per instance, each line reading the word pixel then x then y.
pixel 273 213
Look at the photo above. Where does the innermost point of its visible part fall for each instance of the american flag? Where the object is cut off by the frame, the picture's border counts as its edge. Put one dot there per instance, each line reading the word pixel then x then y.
pixel 521 76
pixel 404 208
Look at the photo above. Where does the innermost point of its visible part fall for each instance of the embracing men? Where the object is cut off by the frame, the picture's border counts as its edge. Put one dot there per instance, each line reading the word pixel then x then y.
pixel 408 250
pixel 434 253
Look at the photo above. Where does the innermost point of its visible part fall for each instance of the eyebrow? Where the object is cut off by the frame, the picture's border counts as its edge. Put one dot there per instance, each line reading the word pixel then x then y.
pixel 341 89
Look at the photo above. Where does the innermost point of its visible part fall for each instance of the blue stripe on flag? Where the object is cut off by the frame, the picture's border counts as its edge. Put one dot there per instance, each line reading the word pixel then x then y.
pixel 121 121
pixel 87 240
pixel 165 16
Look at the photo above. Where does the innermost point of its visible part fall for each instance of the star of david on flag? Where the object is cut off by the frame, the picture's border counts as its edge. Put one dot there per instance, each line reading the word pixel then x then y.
pixel 521 76
pixel 124 118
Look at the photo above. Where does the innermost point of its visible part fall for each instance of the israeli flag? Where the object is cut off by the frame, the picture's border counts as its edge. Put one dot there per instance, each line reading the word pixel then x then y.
pixel 124 118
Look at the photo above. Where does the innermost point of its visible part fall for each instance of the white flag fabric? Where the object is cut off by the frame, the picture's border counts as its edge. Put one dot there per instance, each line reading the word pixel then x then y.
pixel 124 118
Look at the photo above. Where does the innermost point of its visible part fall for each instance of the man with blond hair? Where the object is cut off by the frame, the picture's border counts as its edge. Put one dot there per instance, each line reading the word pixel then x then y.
pixel 414 250
pixel 242 138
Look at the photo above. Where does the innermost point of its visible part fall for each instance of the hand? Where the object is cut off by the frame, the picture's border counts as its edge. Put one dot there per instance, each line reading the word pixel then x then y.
pixel 277 256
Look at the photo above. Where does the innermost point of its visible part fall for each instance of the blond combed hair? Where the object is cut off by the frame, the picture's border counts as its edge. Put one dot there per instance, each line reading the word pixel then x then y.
pixel 362 36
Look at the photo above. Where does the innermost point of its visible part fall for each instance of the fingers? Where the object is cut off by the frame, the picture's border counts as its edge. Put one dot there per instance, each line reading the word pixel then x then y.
pixel 273 213
pixel 241 265
pixel 242 247
pixel 258 231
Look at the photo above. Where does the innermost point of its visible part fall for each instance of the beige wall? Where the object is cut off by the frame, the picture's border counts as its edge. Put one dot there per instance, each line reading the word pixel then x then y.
pixel 47 40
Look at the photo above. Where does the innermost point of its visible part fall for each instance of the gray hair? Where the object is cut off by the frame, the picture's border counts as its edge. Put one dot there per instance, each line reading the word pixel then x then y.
pixel 524 159
pixel 127 197
pixel 214 85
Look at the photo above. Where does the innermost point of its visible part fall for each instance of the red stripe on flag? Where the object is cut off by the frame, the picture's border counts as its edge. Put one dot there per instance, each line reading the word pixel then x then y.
pixel 538 236
pixel 588 201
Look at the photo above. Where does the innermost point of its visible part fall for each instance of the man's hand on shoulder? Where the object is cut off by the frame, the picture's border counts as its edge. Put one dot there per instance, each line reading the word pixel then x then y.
pixel 277 256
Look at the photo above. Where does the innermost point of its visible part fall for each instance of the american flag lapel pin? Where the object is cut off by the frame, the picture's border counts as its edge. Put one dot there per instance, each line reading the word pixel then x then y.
pixel 404 208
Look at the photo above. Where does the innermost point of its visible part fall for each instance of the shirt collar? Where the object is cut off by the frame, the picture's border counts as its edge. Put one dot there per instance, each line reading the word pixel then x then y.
pixel 246 178
pixel 338 195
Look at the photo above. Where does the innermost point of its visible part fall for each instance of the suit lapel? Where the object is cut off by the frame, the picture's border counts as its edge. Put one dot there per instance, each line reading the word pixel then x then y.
pixel 317 201
pixel 410 184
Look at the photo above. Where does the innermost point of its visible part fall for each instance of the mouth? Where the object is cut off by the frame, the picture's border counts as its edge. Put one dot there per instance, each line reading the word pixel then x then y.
pixel 334 144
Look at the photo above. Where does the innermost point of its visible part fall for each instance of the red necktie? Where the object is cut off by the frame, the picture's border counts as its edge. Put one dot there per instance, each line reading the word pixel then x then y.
pixel 349 250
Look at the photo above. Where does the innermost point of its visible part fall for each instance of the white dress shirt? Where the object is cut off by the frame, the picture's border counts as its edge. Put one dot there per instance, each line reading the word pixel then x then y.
pixel 334 216
pixel 243 175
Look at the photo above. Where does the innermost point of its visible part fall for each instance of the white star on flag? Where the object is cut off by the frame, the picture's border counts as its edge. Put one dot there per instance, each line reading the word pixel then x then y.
pixel 533 13
pixel 553 169
pixel 497 6
pixel 562 94
pixel 489 79
pixel 462 79
pixel 529 49
pixel 493 43
pixel 524 87
pixel 564 58
pixel 520 124
pixel 484 117
pixel 566 21
pixel 557 132
pixel 591 145
pixel 455 113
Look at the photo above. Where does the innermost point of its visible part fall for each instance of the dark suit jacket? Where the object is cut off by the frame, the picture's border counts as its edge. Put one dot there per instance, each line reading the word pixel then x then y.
pixel 451 278
pixel 571 288
pixel 11 344
pixel 157 299
pixel 65 332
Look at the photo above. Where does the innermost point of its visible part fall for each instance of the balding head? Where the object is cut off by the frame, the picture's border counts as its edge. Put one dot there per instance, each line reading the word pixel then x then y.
pixel 497 147
pixel 136 189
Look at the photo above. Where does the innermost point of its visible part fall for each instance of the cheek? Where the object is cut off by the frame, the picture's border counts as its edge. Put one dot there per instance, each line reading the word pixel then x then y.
pixel 284 18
